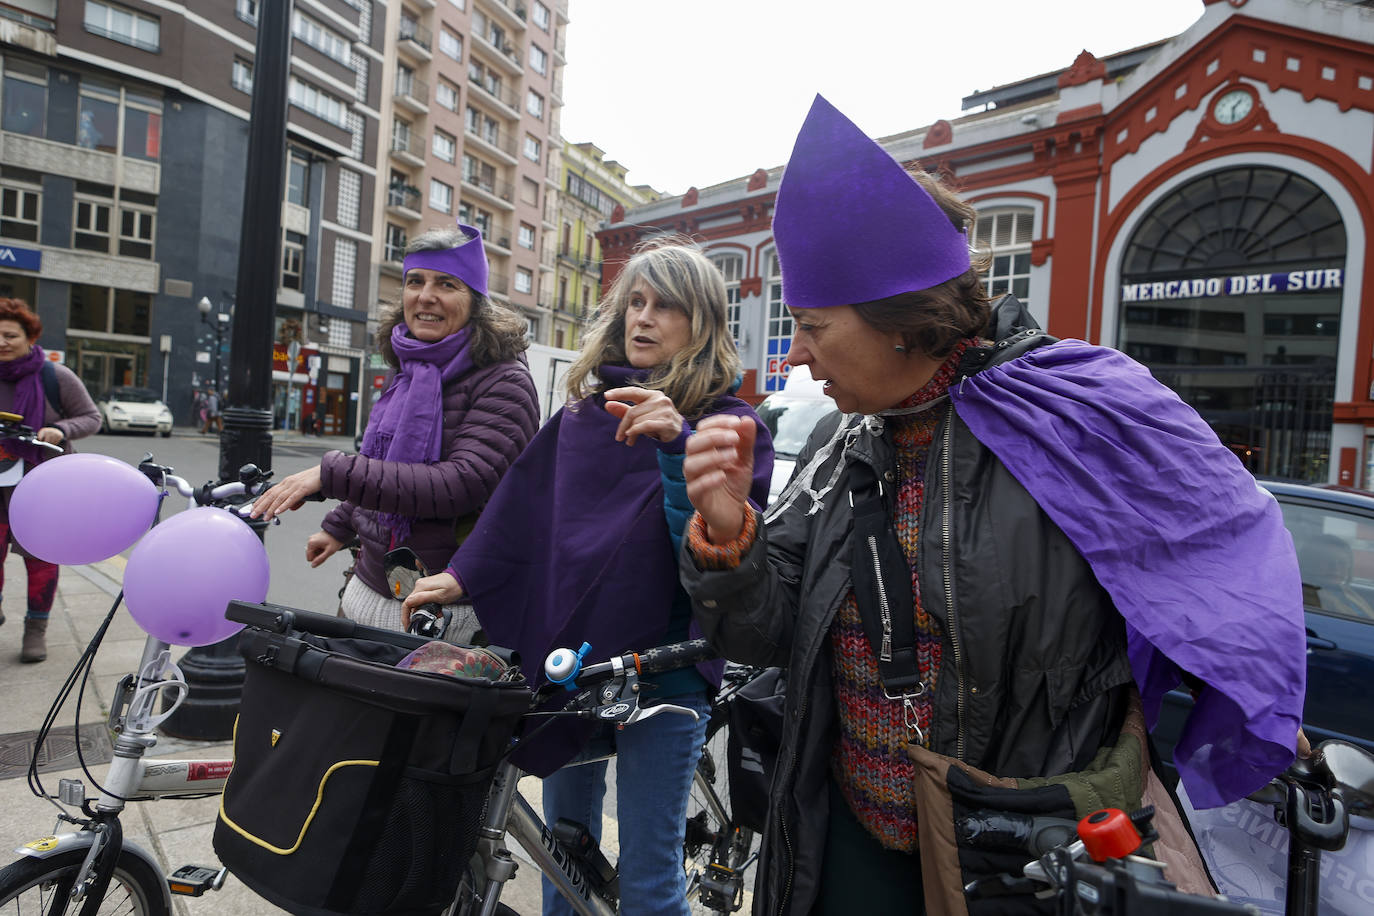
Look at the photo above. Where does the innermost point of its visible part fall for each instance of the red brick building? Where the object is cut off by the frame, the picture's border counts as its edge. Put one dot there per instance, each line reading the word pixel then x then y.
pixel 1203 203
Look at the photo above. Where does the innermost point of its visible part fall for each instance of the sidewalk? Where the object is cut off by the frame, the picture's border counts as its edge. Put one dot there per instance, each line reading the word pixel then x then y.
pixel 176 832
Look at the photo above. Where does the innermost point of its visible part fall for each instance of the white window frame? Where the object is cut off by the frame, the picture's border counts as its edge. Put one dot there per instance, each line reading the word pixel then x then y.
pixel 241 76
pixel 322 38
pixel 90 225
pixel 442 88
pixel 247 10
pixel 101 18
pixel 394 248
pixel 731 267
pixel 145 227
pixel 440 196
pixel 1006 233
pixel 444 145
pixel 450 44
pixel 534 104
pixel 13 198
pixel 539 59
pixel 292 262
pixel 319 103
pixel 524 280
pixel 778 339
pixel 534 150
pixel 525 236
pixel 539 15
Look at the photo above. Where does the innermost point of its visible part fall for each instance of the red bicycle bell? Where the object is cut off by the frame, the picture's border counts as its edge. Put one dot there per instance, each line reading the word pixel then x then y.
pixel 1108 834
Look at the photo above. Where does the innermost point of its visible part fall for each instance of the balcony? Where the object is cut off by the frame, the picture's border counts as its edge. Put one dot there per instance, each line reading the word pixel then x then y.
pixel 498 142
pixel 510 12
pixel 498 283
pixel 497 236
pixel 414 40
pixel 560 46
pixel 408 148
pixel 556 87
pixel 497 193
pixel 497 93
pixel 504 56
pixel 403 200
pixel 411 92
pixel 560 8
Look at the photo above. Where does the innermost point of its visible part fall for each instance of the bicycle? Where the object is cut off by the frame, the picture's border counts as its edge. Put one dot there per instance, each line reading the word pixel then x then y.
pixel 94 867
pixel 717 854
pixel 1093 867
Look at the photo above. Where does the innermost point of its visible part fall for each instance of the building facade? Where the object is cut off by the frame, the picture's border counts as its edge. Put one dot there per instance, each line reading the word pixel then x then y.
pixel 1204 204
pixel 123 138
pixel 592 187
pixel 473 91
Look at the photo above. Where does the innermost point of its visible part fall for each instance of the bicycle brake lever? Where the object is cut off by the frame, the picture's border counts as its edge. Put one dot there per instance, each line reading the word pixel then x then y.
pixel 640 713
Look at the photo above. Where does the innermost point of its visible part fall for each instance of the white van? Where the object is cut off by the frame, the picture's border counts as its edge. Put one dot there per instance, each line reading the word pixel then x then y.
pixel 790 415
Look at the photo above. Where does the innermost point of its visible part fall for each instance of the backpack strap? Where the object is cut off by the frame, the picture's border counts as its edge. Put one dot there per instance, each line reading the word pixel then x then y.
pixel 51 390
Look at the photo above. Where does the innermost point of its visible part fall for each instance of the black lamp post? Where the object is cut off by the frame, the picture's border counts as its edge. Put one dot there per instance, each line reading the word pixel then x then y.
pixel 205 307
pixel 214 674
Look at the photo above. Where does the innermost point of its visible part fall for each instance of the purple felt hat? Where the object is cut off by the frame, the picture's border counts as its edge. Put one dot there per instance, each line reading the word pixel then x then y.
pixel 467 262
pixel 851 225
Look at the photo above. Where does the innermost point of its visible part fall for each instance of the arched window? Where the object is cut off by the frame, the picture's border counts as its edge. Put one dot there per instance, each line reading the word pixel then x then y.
pixel 1231 294
pixel 779 329
pixel 1006 234
pixel 731 266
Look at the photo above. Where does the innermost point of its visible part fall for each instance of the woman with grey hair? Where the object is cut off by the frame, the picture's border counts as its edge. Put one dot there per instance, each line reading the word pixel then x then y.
pixel 459 408
pixel 579 542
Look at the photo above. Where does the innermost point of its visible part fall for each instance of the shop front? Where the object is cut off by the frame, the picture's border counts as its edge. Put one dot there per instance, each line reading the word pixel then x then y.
pixel 294 389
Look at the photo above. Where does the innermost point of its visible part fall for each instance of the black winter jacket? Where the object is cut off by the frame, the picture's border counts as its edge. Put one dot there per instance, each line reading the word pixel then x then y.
pixel 1034 672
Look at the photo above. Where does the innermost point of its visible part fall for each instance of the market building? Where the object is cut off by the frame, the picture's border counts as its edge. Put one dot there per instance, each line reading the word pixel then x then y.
pixel 1203 203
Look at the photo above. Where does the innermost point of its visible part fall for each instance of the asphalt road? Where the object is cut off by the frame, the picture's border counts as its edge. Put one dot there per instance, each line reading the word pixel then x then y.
pixel 196 458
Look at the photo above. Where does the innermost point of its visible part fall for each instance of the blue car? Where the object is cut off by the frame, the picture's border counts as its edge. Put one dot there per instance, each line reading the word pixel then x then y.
pixel 1333 532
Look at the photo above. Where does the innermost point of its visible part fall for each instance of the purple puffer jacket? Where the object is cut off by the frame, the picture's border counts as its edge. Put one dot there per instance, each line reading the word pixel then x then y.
pixel 489 416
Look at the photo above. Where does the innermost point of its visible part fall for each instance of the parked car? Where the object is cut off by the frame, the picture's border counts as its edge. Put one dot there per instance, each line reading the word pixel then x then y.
pixel 790 415
pixel 126 409
pixel 1333 532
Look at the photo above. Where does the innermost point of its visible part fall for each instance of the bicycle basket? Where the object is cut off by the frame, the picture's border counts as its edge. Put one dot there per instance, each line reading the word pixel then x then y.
pixel 358 787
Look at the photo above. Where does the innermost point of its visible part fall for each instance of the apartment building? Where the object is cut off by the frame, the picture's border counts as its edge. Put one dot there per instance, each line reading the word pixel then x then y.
pixel 592 188
pixel 1202 203
pixel 123 138
pixel 472 91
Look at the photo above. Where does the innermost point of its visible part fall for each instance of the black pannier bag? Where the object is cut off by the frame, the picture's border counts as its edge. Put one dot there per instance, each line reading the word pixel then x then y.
pixel 358 787
pixel 755 717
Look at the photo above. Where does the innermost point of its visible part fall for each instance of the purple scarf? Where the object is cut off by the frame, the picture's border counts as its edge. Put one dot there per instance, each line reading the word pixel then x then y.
pixel 574 546
pixel 407 422
pixel 1193 553
pixel 29 402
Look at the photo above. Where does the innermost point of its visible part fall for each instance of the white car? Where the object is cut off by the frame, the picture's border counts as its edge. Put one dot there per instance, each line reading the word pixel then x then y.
pixel 790 415
pixel 134 410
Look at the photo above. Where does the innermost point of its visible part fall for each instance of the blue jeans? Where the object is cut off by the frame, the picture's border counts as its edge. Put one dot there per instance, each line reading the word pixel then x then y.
pixel 655 761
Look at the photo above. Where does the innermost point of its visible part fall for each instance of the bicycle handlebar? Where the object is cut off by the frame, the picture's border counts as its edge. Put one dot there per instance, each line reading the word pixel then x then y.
pixel 564 666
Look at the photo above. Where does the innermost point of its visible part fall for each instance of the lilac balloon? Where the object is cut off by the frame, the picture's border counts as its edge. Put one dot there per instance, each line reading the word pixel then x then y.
pixel 187 569
pixel 76 509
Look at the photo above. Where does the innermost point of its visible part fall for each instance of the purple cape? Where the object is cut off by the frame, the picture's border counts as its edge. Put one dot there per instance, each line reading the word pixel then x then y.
pixel 1193 553
pixel 573 546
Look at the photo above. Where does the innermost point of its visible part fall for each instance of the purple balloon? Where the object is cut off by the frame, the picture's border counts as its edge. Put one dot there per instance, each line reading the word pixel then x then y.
pixel 187 569
pixel 76 509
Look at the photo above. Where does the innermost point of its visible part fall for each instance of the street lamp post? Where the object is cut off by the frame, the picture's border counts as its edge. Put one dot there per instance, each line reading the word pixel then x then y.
pixel 205 307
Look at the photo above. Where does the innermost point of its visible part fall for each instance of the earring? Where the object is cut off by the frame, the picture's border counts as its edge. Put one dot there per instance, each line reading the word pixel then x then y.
pixel 899 348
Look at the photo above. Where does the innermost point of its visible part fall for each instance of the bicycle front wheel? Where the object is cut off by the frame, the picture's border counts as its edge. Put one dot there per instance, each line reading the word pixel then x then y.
pixel 32 885
pixel 716 852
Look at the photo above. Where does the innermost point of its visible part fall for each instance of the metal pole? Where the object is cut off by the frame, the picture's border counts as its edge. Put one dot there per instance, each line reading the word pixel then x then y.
pixel 215 673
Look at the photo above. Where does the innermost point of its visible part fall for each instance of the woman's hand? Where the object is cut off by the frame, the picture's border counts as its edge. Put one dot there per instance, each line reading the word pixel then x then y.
pixel 719 468
pixel 320 546
pixel 648 413
pixel 439 589
pixel 50 434
pixel 288 494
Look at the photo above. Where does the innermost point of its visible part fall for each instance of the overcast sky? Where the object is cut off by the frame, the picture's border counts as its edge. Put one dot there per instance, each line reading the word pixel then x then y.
pixel 695 92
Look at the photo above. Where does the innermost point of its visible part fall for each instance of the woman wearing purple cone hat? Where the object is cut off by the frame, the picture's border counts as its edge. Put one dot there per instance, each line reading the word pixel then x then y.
pixel 989 566
pixel 579 543
pixel 458 410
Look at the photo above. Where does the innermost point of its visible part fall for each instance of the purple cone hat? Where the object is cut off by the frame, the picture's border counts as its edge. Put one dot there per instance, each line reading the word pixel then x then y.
pixel 850 224
pixel 467 262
